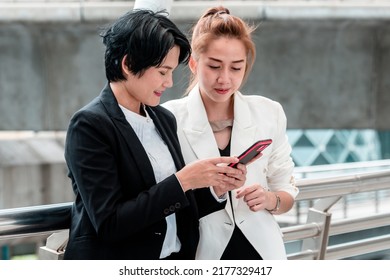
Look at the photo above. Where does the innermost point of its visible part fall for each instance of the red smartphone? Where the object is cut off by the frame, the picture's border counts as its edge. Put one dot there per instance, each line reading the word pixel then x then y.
pixel 252 152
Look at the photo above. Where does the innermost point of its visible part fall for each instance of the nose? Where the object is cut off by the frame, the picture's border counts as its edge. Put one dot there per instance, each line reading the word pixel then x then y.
pixel 168 83
pixel 223 76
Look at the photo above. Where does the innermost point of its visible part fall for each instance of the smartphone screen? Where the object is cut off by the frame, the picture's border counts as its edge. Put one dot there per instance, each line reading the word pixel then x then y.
pixel 252 152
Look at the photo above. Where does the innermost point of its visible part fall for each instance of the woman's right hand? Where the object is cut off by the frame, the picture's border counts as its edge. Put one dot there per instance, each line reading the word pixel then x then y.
pixel 210 172
pixel 237 183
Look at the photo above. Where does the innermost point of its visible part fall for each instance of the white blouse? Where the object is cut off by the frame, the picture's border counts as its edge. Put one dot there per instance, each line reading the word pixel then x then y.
pixel 163 166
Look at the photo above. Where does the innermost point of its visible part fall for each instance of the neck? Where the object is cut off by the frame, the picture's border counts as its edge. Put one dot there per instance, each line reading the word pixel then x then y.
pixel 123 98
pixel 218 111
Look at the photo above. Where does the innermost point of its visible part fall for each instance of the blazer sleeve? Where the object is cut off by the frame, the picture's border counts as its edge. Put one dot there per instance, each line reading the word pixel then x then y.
pixel 280 165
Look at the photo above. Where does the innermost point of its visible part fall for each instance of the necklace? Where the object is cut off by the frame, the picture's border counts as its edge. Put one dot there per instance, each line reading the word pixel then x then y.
pixel 221 125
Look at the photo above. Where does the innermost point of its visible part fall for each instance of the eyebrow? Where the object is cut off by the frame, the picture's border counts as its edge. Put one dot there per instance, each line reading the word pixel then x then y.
pixel 218 60
pixel 166 67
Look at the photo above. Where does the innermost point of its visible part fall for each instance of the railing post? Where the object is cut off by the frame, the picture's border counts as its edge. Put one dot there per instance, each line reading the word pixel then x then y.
pixel 55 246
pixel 319 214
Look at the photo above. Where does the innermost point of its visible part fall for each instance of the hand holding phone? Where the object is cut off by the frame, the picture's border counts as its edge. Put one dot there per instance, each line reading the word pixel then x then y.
pixel 252 152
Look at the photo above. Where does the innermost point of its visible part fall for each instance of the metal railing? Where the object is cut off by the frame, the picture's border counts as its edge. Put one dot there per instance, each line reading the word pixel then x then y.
pixel 341 168
pixel 314 234
pixel 327 170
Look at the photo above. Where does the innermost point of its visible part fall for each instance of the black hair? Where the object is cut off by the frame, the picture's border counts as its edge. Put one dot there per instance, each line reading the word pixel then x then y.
pixel 145 37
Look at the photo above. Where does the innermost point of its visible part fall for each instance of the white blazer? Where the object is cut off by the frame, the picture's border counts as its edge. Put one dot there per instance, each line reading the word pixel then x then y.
pixel 255 118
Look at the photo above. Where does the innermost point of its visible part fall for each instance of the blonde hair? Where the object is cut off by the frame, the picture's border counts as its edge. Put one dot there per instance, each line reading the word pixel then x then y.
pixel 215 23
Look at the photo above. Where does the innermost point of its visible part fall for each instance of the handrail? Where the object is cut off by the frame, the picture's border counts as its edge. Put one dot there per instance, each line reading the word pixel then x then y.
pixel 363 246
pixel 34 220
pixel 312 188
pixel 305 171
pixel 298 232
pixel 361 223
pixel 44 219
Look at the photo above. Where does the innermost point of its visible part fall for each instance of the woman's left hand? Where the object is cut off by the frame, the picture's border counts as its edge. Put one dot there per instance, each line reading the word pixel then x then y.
pixel 255 196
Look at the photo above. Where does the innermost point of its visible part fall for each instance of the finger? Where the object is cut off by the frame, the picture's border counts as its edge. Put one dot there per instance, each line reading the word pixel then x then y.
pixel 220 160
pixel 230 171
pixel 252 199
pixel 243 192
pixel 224 187
pixel 249 189
pixel 242 167
pixel 238 177
pixel 229 180
pixel 256 208
pixel 237 184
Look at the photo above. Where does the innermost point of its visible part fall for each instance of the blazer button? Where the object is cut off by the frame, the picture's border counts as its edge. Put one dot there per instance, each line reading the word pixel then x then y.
pixel 172 208
pixel 166 211
pixel 177 205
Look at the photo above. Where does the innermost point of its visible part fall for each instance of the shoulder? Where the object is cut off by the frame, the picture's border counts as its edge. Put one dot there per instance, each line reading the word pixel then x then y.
pixel 162 112
pixel 166 118
pixel 252 98
pixel 92 110
pixel 175 104
pixel 259 102
pixel 178 107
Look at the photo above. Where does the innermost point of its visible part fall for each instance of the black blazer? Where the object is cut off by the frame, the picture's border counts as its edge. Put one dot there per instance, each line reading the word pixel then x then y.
pixel 119 210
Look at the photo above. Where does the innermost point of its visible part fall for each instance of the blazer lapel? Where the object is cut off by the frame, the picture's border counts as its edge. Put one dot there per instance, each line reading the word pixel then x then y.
pixel 244 126
pixel 199 134
pixel 177 158
pixel 197 130
pixel 244 131
pixel 135 146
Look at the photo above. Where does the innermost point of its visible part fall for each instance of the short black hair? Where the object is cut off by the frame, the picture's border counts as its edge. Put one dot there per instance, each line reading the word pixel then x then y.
pixel 145 37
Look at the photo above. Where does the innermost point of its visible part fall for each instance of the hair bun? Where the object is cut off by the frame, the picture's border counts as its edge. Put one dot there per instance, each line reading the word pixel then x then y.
pixel 223 10
pixel 217 11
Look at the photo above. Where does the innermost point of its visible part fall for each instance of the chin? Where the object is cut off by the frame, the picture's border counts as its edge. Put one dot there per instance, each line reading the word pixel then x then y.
pixel 153 104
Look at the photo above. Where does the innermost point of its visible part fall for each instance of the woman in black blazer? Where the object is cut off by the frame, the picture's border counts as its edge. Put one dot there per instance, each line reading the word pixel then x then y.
pixel 134 198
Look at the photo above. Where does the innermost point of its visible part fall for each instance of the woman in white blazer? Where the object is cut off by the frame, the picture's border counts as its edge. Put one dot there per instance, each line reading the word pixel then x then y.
pixel 216 119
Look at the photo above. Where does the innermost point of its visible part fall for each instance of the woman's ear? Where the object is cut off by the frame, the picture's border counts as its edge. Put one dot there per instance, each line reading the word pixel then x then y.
pixel 125 68
pixel 192 63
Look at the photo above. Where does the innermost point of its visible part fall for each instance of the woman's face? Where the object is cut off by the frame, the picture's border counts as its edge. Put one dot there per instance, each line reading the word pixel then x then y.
pixel 220 69
pixel 149 88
